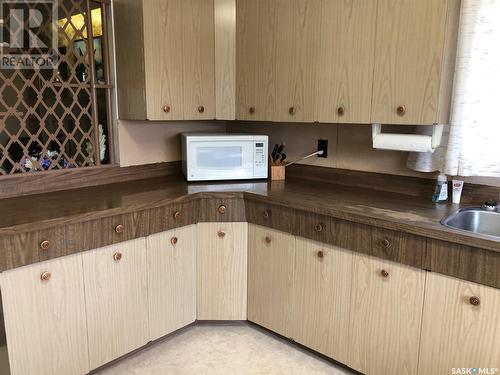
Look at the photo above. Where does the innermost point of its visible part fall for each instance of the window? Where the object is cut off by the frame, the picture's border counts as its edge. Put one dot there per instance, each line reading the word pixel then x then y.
pixel 55 91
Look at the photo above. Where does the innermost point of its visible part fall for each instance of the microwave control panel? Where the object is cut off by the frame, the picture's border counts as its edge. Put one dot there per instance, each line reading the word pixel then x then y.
pixel 260 159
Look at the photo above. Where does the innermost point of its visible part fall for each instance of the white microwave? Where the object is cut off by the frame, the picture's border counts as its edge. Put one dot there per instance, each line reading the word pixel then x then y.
pixel 207 157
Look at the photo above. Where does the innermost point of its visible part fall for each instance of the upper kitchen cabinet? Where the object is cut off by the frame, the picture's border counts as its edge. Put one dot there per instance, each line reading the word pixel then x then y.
pixel 345 63
pixel 166 66
pixel 414 61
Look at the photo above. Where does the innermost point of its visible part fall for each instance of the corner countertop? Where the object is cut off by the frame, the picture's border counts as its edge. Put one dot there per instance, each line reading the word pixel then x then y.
pixel 389 210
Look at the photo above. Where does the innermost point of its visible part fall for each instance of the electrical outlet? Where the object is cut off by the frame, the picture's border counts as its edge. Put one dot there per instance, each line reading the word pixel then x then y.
pixel 323 146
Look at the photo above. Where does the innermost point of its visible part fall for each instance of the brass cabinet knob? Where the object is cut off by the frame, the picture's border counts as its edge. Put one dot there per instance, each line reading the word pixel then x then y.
pixel 291 111
pixel 386 243
pixel 45 245
pixel 177 215
pixel 117 257
pixel 341 111
pixel 401 110
pixel 320 254
pixel 174 240
pixel 166 108
pixel 268 239
pixel 251 110
pixel 221 233
pixel 45 276
pixel 201 109
pixel 318 227
pixel 267 213
pixel 222 209
pixel 384 273
pixel 474 301
pixel 119 228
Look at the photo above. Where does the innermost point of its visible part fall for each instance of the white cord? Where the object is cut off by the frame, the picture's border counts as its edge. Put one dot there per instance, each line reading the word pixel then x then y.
pixel 305 157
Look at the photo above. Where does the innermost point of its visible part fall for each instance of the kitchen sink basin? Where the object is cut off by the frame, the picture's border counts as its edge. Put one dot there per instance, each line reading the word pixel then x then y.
pixel 476 220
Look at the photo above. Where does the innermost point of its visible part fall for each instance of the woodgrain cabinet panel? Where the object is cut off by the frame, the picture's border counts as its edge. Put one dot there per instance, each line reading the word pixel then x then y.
pixel 386 312
pixel 198 52
pixel 222 271
pixel 345 63
pixel 116 300
pixel 174 215
pixel 460 328
pixel 171 280
pixel 271 261
pixel 411 60
pixel 45 319
pixel 321 298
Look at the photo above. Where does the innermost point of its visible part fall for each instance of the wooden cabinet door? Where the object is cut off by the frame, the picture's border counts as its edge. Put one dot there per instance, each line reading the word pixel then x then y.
pixel 409 46
pixel 345 63
pixel 456 331
pixel 45 319
pixel 271 258
pixel 256 23
pixel 163 59
pixel 198 51
pixel 222 271
pixel 322 291
pixel 172 280
pixel 386 313
pixel 297 53
pixel 116 300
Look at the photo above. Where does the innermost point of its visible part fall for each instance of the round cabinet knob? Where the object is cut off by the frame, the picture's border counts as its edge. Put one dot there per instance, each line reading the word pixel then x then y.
pixel 174 240
pixel 318 228
pixel 221 233
pixel 267 213
pixel 474 301
pixel 384 274
pixel 320 254
pixel 222 209
pixel 251 110
pixel 177 215
pixel 401 110
pixel 166 108
pixel 201 109
pixel 341 111
pixel 268 239
pixel 45 245
pixel 291 111
pixel 45 276
pixel 386 243
pixel 119 228
pixel 117 257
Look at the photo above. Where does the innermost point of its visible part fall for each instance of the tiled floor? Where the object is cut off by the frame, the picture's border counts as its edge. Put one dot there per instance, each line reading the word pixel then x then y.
pixel 233 349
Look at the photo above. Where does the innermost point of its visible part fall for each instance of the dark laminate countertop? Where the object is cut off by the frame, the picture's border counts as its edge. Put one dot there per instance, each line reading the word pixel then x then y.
pixel 389 210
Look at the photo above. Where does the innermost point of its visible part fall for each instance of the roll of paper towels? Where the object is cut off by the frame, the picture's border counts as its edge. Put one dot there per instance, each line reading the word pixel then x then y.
pixel 406 142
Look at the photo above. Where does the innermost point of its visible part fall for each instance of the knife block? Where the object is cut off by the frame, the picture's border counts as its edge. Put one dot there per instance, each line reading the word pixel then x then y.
pixel 277 170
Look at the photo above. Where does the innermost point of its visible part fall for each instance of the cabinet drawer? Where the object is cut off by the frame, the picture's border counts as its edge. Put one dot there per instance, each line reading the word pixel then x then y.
pixel 222 210
pixel 107 231
pixel 173 216
pixel 272 216
pixel 315 227
pixel 397 246
pixel 31 247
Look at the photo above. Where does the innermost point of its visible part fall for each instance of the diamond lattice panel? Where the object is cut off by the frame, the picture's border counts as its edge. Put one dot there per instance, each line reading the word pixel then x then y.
pixel 46 119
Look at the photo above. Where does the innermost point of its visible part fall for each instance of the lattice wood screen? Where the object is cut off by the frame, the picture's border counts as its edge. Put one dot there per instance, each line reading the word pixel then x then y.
pixel 59 118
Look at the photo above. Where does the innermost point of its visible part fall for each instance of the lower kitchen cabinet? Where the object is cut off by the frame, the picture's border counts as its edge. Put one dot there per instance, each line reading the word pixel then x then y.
pixel 461 326
pixel 222 271
pixel 271 261
pixel 116 299
pixel 45 320
pixel 171 280
pixel 386 312
pixel 322 291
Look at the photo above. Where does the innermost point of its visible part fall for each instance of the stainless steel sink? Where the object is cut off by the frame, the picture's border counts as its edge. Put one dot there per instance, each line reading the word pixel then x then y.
pixel 476 220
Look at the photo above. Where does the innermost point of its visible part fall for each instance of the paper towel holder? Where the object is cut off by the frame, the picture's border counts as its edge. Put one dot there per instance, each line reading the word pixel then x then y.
pixel 436 137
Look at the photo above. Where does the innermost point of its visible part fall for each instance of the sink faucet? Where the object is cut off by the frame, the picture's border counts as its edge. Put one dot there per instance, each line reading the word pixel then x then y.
pixel 491 205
